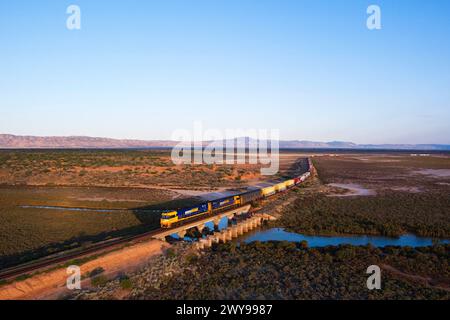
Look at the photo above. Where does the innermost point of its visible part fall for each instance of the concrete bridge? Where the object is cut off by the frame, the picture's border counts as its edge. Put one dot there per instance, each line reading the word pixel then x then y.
pixel 233 231
pixel 200 224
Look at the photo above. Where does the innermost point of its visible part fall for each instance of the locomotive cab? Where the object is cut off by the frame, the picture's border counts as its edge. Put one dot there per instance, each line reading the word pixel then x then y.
pixel 168 218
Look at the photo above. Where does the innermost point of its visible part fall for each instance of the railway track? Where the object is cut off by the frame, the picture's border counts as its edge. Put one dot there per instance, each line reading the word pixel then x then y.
pixel 14 272
pixel 46 263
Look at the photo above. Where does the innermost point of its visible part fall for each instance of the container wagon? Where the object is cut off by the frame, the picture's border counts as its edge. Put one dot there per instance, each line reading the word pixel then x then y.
pixel 250 196
pixel 279 187
pixel 268 191
pixel 223 203
pixel 173 218
pixel 289 183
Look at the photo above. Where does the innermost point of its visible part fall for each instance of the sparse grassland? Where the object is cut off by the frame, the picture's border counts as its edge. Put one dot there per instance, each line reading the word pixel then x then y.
pixel 131 185
pixel 31 232
pixel 116 168
pixel 89 179
pixel 406 198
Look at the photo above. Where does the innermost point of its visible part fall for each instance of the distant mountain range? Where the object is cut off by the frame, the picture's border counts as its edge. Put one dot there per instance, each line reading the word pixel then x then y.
pixel 8 141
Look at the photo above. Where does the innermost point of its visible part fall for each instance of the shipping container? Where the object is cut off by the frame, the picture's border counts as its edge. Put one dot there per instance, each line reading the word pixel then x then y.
pixel 289 183
pixel 280 187
pixel 268 191
pixel 251 196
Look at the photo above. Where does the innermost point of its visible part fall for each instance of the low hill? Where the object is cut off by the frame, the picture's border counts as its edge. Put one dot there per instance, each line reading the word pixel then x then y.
pixel 9 141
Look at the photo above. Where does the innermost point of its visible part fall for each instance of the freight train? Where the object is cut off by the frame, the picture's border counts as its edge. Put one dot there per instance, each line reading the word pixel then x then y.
pixel 177 217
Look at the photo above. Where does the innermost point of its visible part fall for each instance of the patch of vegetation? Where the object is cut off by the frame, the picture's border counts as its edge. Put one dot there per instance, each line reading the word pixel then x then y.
pixel 4 282
pixel 391 215
pixel 170 253
pixel 191 258
pixel 22 277
pixel 125 283
pixel 392 211
pixel 282 270
pixel 99 281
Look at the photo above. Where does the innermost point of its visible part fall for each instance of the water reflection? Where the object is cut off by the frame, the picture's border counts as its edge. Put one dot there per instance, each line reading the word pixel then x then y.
pixel 279 234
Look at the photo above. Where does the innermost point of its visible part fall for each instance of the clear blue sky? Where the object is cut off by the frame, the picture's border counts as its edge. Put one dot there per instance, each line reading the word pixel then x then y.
pixel 141 69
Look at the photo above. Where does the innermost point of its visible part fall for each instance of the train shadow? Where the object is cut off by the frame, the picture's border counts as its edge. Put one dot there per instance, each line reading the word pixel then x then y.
pixel 148 217
pixel 80 241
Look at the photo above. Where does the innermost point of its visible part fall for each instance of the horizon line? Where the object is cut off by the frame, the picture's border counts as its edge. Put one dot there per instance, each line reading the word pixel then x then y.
pixel 244 137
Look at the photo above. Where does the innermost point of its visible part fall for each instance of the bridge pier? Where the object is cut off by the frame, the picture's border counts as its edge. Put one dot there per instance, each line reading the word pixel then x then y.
pixel 204 243
pixel 223 236
pixel 216 223
pixel 229 234
pixel 200 228
pixel 234 231
pixel 200 245
pixel 251 225
pixel 181 234
pixel 208 242
pixel 216 237
pixel 240 229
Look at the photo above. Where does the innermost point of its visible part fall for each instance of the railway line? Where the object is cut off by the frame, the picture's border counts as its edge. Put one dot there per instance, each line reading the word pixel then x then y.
pixel 46 263
pixel 63 258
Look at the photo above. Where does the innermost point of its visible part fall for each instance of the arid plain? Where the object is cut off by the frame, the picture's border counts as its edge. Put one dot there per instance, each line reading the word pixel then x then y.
pixel 58 200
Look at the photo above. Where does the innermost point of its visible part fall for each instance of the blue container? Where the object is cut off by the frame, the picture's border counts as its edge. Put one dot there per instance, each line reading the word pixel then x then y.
pixel 224 202
pixel 190 212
